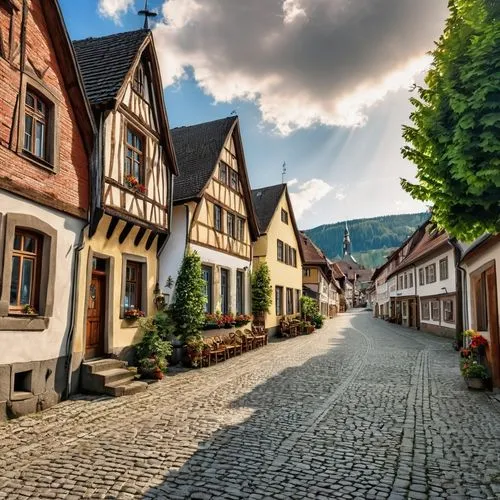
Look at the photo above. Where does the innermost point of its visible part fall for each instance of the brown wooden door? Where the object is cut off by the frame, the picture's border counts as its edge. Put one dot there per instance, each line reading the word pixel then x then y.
pixel 94 343
pixel 493 325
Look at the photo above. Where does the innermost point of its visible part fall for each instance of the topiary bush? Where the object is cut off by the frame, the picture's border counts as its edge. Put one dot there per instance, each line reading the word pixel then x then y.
pixel 262 290
pixel 189 301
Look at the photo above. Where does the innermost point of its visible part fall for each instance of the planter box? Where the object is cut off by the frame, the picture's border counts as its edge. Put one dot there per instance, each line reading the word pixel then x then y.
pixel 475 383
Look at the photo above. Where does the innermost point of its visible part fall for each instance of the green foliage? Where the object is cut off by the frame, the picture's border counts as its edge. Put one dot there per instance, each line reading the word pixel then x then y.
pixel 188 308
pixel 262 290
pixel 165 324
pixel 152 349
pixel 318 320
pixel 308 306
pixel 455 136
pixel 372 259
pixel 473 369
pixel 377 233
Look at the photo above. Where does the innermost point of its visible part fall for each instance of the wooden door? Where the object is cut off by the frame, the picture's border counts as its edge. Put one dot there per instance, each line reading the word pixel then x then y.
pixel 94 343
pixel 493 325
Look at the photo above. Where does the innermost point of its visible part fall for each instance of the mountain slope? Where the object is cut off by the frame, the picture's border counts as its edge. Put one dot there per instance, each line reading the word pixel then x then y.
pixel 371 239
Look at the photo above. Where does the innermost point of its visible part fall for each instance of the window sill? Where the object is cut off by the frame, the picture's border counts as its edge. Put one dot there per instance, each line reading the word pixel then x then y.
pixel 39 162
pixel 129 323
pixel 20 395
pixel 22 322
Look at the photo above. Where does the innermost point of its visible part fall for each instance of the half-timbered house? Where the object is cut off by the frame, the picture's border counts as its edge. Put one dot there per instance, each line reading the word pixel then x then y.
pixel 46 144
pixel 130 218
pixel 279 246
pixel 213 214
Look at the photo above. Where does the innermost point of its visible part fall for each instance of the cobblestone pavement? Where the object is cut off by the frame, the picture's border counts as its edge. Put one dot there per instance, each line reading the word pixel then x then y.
pixel 360 409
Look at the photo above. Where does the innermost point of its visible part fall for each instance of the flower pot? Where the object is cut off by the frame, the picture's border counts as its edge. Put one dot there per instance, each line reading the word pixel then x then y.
pixel 474 383
pixel 157 374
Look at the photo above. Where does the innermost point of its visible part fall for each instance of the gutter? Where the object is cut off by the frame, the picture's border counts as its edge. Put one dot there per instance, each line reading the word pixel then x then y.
pixel 461 291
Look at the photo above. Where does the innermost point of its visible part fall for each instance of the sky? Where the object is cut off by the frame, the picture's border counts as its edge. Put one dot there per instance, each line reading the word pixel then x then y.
pixel 320 85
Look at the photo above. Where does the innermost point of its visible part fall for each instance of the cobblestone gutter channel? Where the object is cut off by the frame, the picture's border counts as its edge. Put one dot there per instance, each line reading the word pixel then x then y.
pixel 360 409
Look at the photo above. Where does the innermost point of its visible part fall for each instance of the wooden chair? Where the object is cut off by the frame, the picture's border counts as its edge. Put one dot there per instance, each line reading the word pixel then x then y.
pixel 229 346
pixel 217 350
pixel 246 341
pixel 237 342
pixel 285 328
pixel 260 336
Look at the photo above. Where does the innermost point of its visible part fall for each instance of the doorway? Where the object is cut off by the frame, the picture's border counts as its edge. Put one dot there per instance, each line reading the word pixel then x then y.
pixel 96 310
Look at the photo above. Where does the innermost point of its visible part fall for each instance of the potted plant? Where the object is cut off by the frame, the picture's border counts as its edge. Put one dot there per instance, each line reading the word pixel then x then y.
pixel 133 183
pixel 29 309
pixel 262 293
pixel 133 314
pixel 195 345
pixel 474 373
pixel 242 320
pixel 317 320
pixel 152 351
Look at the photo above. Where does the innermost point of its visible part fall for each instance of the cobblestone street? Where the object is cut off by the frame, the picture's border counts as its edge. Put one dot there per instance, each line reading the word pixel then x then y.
pixel 360 409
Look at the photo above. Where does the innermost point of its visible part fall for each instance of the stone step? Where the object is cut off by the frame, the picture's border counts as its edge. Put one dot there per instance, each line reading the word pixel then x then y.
pixel 125 389
pixel 114 375
pixel 100 365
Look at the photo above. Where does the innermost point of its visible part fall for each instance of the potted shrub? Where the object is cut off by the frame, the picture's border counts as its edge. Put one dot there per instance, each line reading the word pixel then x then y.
pixel 317 320
pixel 152 350
pixel 242 320
pixel 133 314
pixel 29 310
pixel 262 293
pixel 195 345
pixel 474 373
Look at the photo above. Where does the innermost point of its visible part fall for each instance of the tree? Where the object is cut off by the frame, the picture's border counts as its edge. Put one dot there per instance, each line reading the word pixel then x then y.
pixel 455 137
pixel 188 308
pixel 262 291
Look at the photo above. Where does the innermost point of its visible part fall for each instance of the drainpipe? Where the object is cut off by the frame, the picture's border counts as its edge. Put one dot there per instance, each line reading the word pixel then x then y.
pixel 71 329
pixel 461 290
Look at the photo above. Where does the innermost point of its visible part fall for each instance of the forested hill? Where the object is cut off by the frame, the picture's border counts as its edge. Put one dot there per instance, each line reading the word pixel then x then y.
pixel 371 239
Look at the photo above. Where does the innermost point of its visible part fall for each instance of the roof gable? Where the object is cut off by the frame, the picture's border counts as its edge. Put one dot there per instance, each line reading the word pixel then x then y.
pixel 266 201
pixel 198 148
pixel 106 61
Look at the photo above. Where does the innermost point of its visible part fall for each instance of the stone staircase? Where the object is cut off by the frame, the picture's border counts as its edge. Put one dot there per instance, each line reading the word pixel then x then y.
pixel 110 376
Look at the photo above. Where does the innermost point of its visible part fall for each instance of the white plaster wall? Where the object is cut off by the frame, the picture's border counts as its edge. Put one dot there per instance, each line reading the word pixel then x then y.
pixel 170 259
pixel 22 346
pixel 487 256
pixel 436 288
pixel 221 259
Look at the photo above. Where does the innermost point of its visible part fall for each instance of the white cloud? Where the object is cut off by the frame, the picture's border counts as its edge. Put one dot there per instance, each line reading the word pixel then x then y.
pixel 308 194
pixel 292 182
pixel 114 9
pixel 303 62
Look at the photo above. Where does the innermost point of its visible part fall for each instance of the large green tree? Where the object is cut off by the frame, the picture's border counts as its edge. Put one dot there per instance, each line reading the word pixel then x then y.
pixel 455 136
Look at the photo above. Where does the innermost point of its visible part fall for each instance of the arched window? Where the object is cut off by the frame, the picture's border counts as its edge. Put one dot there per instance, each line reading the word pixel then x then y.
pixel 35 125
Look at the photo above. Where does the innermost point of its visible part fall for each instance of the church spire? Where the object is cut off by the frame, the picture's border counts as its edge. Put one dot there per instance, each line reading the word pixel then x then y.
pixel 347 242
pixel 147 14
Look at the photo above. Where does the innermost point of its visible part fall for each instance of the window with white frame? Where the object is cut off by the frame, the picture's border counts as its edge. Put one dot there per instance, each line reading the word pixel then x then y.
pixel 448 312
pixel 443 269
pixel 435 313
pixel 421 276
pixel 430 273
pixel 425 306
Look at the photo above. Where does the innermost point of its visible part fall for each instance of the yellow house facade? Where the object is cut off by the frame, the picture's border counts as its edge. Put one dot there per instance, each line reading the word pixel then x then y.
pixel 131 210
pixel 279 246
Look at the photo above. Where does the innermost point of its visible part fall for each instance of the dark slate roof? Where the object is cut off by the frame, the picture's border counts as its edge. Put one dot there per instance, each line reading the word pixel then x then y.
pixel 265 201
pixel 198 148
pixel 104 62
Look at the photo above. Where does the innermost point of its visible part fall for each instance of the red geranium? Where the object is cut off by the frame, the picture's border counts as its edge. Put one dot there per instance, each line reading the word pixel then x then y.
pixel 477 341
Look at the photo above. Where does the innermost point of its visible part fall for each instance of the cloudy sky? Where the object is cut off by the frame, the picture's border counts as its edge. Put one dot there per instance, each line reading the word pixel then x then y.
pixel 322 85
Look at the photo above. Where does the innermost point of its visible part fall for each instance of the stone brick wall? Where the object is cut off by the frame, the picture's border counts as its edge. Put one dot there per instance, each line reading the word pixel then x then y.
pixel 438 330
pixel 67 188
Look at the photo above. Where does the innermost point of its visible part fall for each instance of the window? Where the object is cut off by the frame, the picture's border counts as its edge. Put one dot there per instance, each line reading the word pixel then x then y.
pixel 297 301
pixel 435 310
pixel 24 282
pixel 206 272
pixel 133 286
pixel 405 309
pixel 240 229
pixel 278 298
pixel 280 251
pixel 284 216
pixel 430 273
pixel 448 314
pixel 223 172
pixel 410 280
pixel 22 381
pixel 421 276
pixel 240 292
pixel 401 282
pixel 217 218
pixel 231 225
pixel 234 180
pixel 443 269
pixel 134 155
pixel 224 291
pixel 138 82
pixel 35 125
pixel 307 272
pixel 405 281
pixel 289 301
pixel 426 310
pixel 287 254
pixel 294 257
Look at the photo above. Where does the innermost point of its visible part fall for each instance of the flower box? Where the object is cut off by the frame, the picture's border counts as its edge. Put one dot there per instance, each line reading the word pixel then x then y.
pixel 475 383
pixel 133 314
